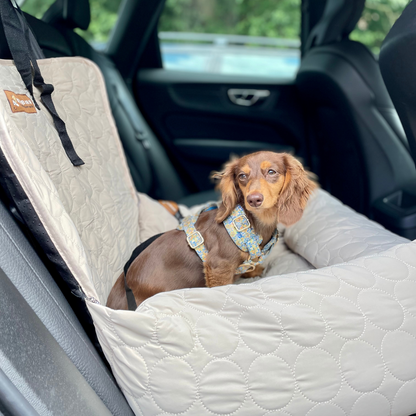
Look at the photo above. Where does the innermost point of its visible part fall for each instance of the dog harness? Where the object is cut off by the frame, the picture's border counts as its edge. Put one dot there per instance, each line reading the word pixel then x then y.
pixel 239 229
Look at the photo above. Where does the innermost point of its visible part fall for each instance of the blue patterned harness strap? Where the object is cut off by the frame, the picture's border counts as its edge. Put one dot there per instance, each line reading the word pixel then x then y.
pixel 194 237
pixel 239 229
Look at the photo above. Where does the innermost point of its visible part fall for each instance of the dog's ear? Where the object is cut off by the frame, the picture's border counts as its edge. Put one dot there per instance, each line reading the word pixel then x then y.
pixel 228 189
pixel 295 193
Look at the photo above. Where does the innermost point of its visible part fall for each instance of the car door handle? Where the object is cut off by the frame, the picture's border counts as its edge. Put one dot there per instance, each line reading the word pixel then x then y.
pixel 248 97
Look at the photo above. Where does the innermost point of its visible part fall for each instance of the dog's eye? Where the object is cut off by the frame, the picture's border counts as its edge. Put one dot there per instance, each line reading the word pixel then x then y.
pixel 242 176
pixel 271 172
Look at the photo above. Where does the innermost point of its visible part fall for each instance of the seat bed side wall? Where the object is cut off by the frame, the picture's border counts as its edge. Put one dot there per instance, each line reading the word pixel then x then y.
pixel 30 277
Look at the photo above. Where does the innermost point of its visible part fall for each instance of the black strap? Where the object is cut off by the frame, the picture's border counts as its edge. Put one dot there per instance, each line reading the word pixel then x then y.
pixel 21 41
pixel 131 301
pixel 178 215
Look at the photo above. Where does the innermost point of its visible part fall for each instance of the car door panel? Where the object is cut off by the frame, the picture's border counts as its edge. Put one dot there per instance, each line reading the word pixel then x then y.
pixel 193 115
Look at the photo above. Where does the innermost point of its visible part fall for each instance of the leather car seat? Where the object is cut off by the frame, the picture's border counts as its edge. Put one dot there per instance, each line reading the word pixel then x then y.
pixel 151 169
pixel 361 148
pixel 398 68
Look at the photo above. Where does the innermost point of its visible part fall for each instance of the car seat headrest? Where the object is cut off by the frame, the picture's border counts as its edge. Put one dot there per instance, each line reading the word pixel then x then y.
pixel 398 68
pixel 337 22
pixel 71 13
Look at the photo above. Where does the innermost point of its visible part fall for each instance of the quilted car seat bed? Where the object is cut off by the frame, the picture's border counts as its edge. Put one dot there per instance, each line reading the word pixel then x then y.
pixel 331 331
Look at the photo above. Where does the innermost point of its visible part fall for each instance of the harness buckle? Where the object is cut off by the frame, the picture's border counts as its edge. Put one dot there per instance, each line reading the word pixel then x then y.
pixel 195 240
pixel 251 266
pixel 241 225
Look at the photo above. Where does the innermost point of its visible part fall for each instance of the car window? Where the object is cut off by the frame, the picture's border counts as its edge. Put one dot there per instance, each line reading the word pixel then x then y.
pixel 104 14
pixel 245 37
pixel 375 22
pixel 35 8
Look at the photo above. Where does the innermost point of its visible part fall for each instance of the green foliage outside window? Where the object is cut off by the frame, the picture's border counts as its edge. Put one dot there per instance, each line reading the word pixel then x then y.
pixel 36 8
pixel 271 18
pixel 375 22
pixel 104 15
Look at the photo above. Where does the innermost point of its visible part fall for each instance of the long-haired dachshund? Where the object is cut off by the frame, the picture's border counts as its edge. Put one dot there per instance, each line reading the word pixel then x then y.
pixel 270 187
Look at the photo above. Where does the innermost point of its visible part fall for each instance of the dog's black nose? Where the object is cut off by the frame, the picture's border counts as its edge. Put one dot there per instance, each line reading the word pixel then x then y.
pixel 255 199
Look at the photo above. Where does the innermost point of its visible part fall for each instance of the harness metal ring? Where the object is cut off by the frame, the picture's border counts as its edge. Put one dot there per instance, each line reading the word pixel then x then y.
pixel 251 266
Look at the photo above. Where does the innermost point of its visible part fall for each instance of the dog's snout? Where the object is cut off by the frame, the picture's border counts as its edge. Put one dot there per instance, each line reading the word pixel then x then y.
pixel 255 199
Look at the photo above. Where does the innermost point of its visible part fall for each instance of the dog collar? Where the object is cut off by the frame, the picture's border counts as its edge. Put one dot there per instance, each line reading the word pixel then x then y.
pixel 239 229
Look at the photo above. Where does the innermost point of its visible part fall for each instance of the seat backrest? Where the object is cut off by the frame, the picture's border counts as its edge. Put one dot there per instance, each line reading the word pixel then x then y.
pixel 336 23
pixel 151 169
pixel 71 14
pixel 398 68
pixel 362 151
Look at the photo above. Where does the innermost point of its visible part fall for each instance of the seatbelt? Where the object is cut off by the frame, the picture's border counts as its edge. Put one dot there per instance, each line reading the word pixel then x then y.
pixel 21 44
pixel 141 134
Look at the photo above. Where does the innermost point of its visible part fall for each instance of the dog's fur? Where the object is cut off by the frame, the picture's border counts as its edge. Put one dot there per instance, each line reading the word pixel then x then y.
pixel 169 263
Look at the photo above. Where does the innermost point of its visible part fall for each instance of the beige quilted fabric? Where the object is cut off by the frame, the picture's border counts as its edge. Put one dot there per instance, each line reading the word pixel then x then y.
pixel 339 235
pixel 88 208
pixel 335 341
pixel 340 340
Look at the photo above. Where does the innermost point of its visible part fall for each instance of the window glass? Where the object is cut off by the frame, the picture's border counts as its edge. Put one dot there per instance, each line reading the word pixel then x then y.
pixel 246 37
pixel 377 19
pixel 104 14
pixel 35 8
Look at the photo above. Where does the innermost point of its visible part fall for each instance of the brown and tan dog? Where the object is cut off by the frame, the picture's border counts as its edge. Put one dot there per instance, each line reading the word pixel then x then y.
pixel 271 187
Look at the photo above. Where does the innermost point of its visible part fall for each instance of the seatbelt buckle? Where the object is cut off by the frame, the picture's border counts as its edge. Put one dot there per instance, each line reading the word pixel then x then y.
pixel 141 136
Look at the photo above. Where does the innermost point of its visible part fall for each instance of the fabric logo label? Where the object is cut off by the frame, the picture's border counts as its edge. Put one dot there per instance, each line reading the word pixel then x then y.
pixel 20 103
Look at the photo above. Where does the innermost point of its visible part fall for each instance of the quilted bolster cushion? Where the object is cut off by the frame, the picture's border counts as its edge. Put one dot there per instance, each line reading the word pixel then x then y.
pixel 339 340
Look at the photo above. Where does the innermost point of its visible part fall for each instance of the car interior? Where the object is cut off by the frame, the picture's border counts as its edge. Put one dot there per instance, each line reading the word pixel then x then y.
pixel 176 128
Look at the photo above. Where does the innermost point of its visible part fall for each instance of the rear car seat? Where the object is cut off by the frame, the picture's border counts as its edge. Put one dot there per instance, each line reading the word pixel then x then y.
pixel 152 171
pixel 364 153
